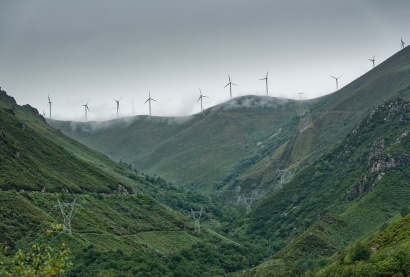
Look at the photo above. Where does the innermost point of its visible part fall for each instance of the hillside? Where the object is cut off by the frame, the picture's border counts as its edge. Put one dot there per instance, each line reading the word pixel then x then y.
pixel 37 157
pixel 330 118
pixel 353 188
pixel 118 228
pixel 33 163
pixel 243 142
pixel 118 235
pixel 198 150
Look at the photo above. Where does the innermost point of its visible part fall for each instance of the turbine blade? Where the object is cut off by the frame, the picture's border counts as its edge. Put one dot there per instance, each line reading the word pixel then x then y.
pixel 234 84
pixel 147 100
pixel 88 108
pixel 205 96
pixel 120 99
pixel 332 76
pixel 154 100
pixel 226 85
pixel 340 76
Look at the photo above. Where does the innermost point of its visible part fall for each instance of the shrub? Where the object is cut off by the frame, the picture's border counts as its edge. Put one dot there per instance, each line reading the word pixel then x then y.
pixel 359 252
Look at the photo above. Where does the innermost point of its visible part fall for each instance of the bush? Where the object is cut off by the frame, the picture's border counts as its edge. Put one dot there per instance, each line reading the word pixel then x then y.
pixel 360 252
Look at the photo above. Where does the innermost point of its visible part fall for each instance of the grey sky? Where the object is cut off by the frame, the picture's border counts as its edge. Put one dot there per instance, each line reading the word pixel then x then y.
pixel 76 51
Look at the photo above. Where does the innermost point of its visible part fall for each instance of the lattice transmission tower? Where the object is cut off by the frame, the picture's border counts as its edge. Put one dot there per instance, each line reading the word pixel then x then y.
pixel 248 203
pixel 197 216
pixel 67 216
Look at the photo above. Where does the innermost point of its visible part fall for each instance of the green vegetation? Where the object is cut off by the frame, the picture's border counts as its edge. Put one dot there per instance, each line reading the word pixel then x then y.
pixel 40 261
pixel 341 209
pixel 194 152
pixel 118 229
pixel 351 190
pixel 119 235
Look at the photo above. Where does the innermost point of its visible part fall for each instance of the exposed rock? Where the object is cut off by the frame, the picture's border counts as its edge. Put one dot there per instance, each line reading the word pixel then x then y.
pixel 402 136
pixel 356 129
pixel 122 190
pixel 376 149
pixel 22 126
pixel 385 161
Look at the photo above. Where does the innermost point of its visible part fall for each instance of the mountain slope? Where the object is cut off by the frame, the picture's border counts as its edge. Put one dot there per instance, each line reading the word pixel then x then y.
pixel 200 149
pixel 115 232
pixel 330 119
pixel 357 185
pixel 228 146
pixel 31 162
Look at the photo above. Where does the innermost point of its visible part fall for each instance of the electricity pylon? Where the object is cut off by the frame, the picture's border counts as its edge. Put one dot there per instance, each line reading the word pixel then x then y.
pixel 196 219
pixel 282 175
pixel 67 217
pixel 248 204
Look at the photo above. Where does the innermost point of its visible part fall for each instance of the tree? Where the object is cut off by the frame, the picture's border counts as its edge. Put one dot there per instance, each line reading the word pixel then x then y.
pixel 40 261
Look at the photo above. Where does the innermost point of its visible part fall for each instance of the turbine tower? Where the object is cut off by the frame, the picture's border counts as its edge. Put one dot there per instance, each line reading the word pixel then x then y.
pixel 118 105
pixel 86 108
pixel 150 99
pixel 230 85
pixel 49 103
pixel 373 60
pixel 337 85
pixel 200 98
pixel 402 43
pixel 266 78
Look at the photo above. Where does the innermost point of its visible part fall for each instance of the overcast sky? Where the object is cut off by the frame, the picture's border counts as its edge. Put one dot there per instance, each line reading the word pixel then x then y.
pixel 79 51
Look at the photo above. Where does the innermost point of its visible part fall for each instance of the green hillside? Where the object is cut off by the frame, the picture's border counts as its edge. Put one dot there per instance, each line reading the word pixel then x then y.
pixel 328 120
pixel 31 162
pixel 243 142
pixel 49 161
pixel 118 228
pixel 196 151
pixel 353 188
pixel 118 235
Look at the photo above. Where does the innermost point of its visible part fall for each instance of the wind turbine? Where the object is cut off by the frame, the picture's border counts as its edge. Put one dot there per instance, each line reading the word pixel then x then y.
pixel 200 98
pixel 300 95
pixel 266 78
pixel 44 114
pixel 118 105
pixel 337 85
pixel 49 103
pixel 373 60
pixel 230 85
pixel 402 43
pixel 150 99
pixel 86 108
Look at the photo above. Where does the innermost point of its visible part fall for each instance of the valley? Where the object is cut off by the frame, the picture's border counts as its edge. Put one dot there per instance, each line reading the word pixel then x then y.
pixel 287 187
